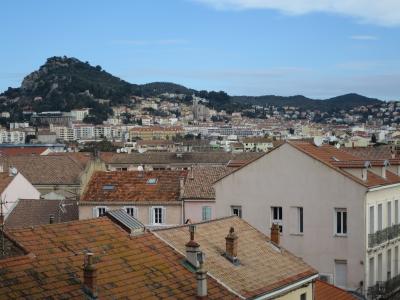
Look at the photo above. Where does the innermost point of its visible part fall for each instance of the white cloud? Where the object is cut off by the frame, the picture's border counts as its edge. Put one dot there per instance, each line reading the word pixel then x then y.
pixel 364 37
pixel 161 42
pixel 381 12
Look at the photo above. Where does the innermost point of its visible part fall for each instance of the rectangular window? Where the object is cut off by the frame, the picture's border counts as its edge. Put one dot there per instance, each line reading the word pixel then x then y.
pixel 100 211
pixel 131 210
pixel 341 221
pixel 396 261
pixel 341 273
pixel 389 214
pixel 303 296
pixel 236 211
pixel 276 212
pixel 371 271
pixel 300 218
pixel 158 215
pixel 389 264
pixel 206 213
pixel 379 277
pixel 380 217
pixel 371 219
pixel 396 211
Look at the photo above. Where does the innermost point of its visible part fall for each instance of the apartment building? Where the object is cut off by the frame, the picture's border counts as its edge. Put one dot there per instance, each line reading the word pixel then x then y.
pixel 337 211
pixel 12 136
pixel 155 132
pixel 63 133
pixel 153 197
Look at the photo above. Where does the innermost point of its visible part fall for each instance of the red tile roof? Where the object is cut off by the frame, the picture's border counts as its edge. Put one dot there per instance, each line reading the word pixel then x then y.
pixel 141 267
pixel 326 291
pixel 5 180
pixel 129 186
pixel 11 151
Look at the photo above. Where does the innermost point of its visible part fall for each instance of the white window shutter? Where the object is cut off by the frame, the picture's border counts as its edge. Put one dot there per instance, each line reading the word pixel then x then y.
pixel 151 220
pixel 164 215
pixel 95 212
pixel 136 212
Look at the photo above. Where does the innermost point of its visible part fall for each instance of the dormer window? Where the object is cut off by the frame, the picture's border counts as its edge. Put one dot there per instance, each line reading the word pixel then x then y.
pixel 108 187
pixel 152 181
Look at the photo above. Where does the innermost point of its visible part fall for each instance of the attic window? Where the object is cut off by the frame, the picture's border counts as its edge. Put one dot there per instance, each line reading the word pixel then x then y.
pixel 108 187
pixel 152 181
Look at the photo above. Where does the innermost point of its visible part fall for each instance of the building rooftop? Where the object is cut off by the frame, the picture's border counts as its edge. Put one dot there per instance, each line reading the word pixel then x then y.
pixel 134 186
pixel 326 291
pixel 141 267
pixel 256 255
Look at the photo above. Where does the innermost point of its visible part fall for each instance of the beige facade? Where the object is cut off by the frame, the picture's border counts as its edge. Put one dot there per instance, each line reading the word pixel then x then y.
pixel 290 179
pixel 172 214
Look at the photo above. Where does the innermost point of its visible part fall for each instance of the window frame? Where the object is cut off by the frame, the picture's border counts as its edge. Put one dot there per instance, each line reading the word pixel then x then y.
pixel 279 213
pixel 153 215
pixel 204 213
pixel 342 233
pixel 97 208
pixel 135 210
pixel 239 208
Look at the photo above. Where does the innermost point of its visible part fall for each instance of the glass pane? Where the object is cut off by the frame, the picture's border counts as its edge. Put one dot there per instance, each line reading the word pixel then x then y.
pixel 338 222
pixel 344 221
pixel 301 218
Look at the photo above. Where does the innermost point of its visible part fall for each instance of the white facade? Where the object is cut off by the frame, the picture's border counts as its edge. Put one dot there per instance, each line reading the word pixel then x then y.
pixel 12 136
pixel 323 213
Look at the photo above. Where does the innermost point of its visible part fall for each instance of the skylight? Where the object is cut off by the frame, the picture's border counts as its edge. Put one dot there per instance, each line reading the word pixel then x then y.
pixel 152 181
pixel 108 187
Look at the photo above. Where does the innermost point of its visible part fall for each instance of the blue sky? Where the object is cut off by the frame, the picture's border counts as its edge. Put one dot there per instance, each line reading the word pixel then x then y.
pixel 318 48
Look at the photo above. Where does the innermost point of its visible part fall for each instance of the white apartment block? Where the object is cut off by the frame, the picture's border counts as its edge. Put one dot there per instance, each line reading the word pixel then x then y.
pixel 80 114
pixel 338 212
pixel 12 136
pixel 63 132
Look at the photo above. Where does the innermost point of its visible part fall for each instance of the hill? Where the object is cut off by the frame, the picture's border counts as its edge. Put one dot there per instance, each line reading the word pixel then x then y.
pixel 64 83
pixel 347 101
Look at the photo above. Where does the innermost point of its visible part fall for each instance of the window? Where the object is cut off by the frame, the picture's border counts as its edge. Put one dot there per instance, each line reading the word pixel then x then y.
pixel 396 211
pixel 236 211
pixel 371 219
pixel 99 211
pixel 341 221
pixel 152 181
pixel 371 271
pixel 379 278
pixel 300 219
pixel 303 296
pixel 389 214
pixel 341 273
pixel 158 215
pixel 396 261
pixel 206 213
pixel 131 210
pixel 276 212
pixel 380 224
pixel 108 187
pixel 389 264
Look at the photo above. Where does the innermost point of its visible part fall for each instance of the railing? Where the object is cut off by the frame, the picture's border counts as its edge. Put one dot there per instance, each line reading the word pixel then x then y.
pixel 383 235
pixel 385 289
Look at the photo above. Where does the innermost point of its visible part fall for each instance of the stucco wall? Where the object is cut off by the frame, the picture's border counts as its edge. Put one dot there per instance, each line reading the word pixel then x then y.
pixel 19 188
pixel 193 210
pixel 173 213
pixel 295 295
pixel 289 178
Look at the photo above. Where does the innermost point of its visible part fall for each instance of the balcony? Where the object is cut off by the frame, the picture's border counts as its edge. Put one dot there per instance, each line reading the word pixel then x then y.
pixel 384 235
pixel 385 289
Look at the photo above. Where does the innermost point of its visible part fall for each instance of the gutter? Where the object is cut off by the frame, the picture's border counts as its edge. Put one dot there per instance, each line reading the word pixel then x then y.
pixel 286 289
pixel 381 187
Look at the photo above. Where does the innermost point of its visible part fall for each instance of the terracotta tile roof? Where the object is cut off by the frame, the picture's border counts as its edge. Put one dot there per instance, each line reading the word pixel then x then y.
pixel 32 212
pixel 199 181
pixel 82 158
pixel 376 152
pixel 255 252
pixel 43 169
pixel 11 151
pixel 212 157
pixel 141 267
pixel 5 180
pixel 340 160
pixel 326 291
pixel 129 186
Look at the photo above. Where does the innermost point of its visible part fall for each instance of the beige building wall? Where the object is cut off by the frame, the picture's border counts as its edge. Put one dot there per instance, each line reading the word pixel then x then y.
pixel 295 295
pixel 173 212
pixel 289 178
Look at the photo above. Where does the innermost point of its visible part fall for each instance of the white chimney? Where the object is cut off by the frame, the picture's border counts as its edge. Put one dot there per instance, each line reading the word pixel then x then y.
pixel 201 277
pixel 367 164
pixel 192 248
pixel 385 164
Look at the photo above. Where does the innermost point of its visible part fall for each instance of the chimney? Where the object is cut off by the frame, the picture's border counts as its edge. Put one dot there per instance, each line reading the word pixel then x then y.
pixel 192 248
pixel 365 171
pixel 51 219
pixel 231 245
pixel 201 277
pixel 90 276
pixel 191 176
pixel 275 233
